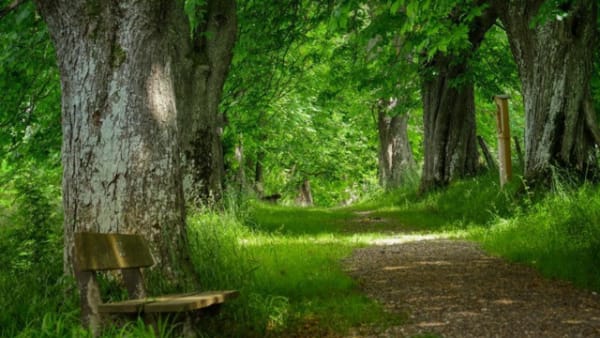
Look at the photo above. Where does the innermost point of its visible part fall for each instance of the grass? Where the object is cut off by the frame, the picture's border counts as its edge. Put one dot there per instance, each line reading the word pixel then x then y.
pixel 293 282
pixel 286 261
pixel 559 235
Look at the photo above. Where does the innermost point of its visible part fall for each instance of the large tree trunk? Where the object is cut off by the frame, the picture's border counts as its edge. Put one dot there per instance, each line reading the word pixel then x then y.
pixel 555 61
pixel 202 123
pixel 124 70
pixel 396 161
pixel 449 113
pixel 450 130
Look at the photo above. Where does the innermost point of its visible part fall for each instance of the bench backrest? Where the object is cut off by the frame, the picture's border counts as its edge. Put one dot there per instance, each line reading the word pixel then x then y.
pixel 95 251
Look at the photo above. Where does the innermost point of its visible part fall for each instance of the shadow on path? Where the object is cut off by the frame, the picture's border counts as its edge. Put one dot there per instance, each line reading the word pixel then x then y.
pixel 453 289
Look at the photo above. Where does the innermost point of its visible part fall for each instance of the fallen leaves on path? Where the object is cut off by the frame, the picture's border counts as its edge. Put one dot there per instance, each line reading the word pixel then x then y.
pixel 453 289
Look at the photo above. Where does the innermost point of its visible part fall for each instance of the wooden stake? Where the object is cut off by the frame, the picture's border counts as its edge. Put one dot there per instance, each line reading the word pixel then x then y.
pixel 503 127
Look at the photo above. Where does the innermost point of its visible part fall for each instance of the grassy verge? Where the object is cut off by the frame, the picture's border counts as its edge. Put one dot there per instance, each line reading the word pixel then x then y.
pixel 559 235
pixel 556 231
pixel 288 269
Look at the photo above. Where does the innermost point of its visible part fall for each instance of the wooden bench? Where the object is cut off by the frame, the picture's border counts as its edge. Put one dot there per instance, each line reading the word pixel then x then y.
pixel 128 253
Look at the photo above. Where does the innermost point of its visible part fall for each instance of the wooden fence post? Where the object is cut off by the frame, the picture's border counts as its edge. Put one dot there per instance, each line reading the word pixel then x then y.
pixel 503 127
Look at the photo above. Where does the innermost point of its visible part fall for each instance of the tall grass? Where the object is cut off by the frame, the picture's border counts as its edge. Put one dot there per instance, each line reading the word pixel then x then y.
pixel 560 235
pixel 286 263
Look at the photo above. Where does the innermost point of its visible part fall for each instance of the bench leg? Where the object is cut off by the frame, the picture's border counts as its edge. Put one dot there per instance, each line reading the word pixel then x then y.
pixel 89 296
pixel 188 326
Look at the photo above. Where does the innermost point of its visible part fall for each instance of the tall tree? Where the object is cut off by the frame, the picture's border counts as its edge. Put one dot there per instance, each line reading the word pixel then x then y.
pixel 201 122
pixel 127 88
pixel 386 72
pixel 553 43
pixel 449 103
pixel 396 161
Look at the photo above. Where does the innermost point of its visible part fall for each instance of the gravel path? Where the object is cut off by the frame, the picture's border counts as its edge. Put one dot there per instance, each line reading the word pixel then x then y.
pixel 453 289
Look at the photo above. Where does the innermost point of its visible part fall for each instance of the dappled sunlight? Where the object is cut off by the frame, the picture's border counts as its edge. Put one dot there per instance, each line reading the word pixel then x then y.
pixel 408 238
pixel 393 268
pixel 161 94
pixel 431 324
pixel 504 301
pixel 259 240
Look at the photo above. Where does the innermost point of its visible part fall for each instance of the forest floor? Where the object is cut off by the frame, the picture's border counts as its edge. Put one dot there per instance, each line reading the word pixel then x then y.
pixel 451 288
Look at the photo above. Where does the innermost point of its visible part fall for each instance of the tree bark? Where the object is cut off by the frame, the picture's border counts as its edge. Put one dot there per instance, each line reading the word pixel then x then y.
pixel 125 75
pixel 305 197
pixel 201 124
pixel 396 161
pixel 555 61
pixel 449 113
pixel 450 130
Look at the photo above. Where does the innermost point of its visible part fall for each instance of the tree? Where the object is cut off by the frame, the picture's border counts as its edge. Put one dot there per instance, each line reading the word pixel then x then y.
pixel 448 98
pixel 201 123
pixel 127 76
pixel 396 161
pixel 553 43
pixel 385 73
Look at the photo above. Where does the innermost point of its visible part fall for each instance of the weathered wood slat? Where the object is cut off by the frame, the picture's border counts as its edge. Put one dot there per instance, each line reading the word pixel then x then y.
pixel 169 303
pixel 189 303
pixel 96 252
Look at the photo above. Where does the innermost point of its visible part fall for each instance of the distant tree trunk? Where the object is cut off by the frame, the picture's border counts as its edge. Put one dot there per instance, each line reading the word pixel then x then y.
pixel 396 161
pixel 202 124
pixel 449 114
pixel 258 174
pixel 555 61
pixel 126 77
pixel 305 194
pixel 241 173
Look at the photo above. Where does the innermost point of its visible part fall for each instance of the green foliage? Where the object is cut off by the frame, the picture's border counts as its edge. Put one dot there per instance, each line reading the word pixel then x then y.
pixel 438 26
pixel 30 92
pixel 291 107
pixel 216 252
pixel 550 10
pixel 195 10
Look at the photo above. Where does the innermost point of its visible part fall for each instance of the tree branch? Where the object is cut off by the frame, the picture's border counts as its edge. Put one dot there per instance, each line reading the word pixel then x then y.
pixel 13 5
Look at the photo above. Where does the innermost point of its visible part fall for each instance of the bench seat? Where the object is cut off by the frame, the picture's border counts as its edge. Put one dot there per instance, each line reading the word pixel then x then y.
pixel 169 303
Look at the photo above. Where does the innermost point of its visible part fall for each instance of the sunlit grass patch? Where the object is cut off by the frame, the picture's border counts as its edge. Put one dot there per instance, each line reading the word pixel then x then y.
pixel 560 236
pixel 287 265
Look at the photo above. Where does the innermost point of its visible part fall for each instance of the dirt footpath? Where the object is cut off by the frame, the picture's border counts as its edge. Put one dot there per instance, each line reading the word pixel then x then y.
pixel 453 289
